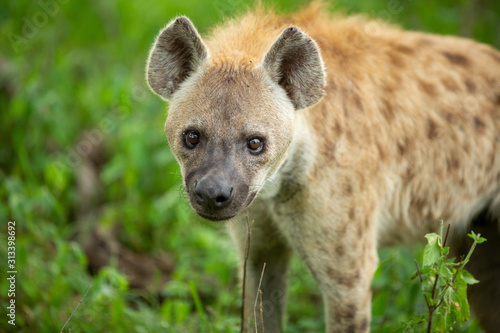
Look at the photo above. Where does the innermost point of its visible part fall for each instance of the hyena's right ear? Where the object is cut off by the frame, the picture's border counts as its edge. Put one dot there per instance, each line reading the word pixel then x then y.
pixel 294 62
pixel 177 52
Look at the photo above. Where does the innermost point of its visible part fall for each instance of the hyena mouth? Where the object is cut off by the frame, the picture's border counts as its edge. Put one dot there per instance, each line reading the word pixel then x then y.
pixel 215 217
pixel 209 213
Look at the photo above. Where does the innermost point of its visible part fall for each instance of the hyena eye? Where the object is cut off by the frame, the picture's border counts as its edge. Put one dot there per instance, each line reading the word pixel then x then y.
pixel 255 144
pixel 192 138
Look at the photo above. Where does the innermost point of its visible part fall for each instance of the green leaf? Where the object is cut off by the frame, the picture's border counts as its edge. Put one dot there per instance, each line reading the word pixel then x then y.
pixel 476 237
pixel 469 278
pixel 461 286
pixel 444 271
pixel 439 323
pixel 459 309
pixel 432 253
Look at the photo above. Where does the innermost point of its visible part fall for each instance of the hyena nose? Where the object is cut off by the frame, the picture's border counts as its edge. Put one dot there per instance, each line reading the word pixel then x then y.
pixel 213 193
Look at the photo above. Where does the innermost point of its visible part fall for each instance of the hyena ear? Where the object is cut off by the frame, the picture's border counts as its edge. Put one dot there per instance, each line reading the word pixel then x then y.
pixel 294 62
pixel 177 53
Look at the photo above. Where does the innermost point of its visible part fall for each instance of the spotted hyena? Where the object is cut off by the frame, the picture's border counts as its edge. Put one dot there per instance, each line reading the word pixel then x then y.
pixel 338 135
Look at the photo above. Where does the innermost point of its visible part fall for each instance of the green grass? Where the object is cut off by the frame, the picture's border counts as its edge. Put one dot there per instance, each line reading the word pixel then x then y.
pixel 73 77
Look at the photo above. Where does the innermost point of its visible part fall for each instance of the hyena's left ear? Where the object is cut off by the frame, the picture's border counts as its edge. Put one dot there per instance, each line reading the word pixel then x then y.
pixel 294 62
pixel 177 53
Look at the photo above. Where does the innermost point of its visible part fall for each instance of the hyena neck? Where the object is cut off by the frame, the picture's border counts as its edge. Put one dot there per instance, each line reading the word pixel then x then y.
pixel 289 179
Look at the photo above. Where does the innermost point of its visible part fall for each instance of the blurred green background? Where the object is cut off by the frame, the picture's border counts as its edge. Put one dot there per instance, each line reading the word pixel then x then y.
pixel 86 173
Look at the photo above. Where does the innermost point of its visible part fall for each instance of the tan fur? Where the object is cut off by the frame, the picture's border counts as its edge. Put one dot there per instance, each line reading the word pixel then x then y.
pixel 407 134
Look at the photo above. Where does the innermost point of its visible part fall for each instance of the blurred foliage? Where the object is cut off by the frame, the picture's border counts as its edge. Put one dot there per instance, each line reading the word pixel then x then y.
pixel 71 76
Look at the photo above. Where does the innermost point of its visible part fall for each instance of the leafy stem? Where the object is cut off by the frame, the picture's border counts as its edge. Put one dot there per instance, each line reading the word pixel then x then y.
pixel 444 283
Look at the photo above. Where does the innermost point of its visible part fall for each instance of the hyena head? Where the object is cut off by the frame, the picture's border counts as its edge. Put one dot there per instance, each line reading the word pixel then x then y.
pixel 231 117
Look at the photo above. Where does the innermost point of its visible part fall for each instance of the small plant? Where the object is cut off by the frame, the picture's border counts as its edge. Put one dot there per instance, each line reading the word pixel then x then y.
pixel 444 285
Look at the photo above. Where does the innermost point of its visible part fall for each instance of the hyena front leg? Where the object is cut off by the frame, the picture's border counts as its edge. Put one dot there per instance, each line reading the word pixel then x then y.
pixel 342 257
pixel 266 246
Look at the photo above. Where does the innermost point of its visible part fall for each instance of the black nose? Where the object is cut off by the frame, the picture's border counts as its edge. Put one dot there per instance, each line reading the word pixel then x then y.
pixel 213 193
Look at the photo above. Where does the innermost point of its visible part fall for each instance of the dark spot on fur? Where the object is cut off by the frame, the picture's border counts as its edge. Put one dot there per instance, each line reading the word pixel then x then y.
pixel 289 188
pixel 345 312
pixel 359 231
pixel 431 129
pixel 479 125
pixel 456 59
pixel 491 163
pixel 364 325
pixel 342 230
pixel 386 109
pixel 351 328
pixel 381 151
pixel 357 102
pixel 483 187
pixel 338 128
pixel 329 153
pixel 402 148
pixel 350 134
pixel 327 147
pixel 427 87
pixel 349 312
pixel 354 277
pixel 450 117
pixel 404 49
pixel 461 181
pixel 339 249
pixel 410 173
pixel 424 42
pixel 418 204
pixel 450 84
pixel 396 60
pixel 352 213
pixel 466 147
pixel 471 87
pixel 347 189
pixel 496 99
pixel 389 86
pixel 453 162
pixel 344 107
